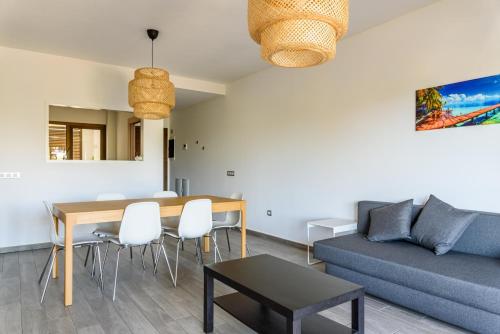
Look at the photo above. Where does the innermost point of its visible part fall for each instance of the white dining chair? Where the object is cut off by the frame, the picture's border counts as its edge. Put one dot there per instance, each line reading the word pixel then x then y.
pixel 108 230
pixel 195 222
pixel 141 225
pixel 79 240
pixel 231 221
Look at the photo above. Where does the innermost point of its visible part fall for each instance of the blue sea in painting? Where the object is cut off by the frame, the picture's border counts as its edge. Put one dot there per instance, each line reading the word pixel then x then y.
pixel 465 103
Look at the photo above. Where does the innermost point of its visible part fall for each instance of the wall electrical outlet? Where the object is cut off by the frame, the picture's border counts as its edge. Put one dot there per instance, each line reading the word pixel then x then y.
pixel 10 175
pixel 269 213
pixel 230 173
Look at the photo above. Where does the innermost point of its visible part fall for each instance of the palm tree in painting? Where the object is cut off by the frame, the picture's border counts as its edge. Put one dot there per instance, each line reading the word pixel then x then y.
pixel 429 100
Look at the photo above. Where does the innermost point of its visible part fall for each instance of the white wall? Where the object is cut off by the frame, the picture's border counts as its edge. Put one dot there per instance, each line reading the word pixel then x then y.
pixel 28 83
pixel 310 143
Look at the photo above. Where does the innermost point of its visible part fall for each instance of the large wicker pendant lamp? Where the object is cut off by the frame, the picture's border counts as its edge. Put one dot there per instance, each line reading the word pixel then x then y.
pixel 298 33
pixel 151 93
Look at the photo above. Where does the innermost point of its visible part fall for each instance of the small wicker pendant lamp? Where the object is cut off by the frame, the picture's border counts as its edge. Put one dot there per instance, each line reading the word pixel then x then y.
pixel 298 33
pixel 151 93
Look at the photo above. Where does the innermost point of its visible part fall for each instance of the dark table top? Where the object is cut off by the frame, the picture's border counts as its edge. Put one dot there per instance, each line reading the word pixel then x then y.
pixel 283 284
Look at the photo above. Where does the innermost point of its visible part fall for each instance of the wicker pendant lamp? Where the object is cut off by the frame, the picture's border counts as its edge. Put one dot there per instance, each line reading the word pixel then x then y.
pixel 297 33
pixel 151 93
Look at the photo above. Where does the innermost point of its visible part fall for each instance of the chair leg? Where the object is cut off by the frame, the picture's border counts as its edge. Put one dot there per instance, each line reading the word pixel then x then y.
pixel 87 256
pixel 216 251
pixel 214 238
pixel 106 253
pixel 177 261
pixel 46 264
pixel 182 243
pixel 168 263
pixel 201 251
pixel 92 274
pixel 152 255
pixel 116 271
pixel 227 237
pixel 53 256
pixel 100 267
pixel 131 254
pixel 157 256
pixel 196 250
pixel 142 257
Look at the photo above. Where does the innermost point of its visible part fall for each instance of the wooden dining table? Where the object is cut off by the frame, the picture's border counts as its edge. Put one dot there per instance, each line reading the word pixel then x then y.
pixel 96 212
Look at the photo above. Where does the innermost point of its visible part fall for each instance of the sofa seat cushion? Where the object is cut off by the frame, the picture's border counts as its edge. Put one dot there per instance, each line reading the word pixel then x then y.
pixel 464 278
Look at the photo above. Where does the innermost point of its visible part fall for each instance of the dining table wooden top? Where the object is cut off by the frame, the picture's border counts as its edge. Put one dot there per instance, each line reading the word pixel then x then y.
pixel 96 212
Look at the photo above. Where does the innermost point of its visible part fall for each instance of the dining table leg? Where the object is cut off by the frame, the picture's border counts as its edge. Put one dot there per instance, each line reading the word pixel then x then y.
pixel 56 227
pixel 206 243
pixel 243 210
pixel 68 262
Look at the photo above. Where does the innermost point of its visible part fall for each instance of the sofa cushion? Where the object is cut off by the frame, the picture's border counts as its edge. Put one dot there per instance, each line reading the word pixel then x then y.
pixel 480 238
pixel 391 222
pixel 464 278
pixel 440 225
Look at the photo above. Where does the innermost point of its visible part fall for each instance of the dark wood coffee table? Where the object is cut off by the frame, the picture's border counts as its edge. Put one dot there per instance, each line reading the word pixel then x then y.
pixel 276 296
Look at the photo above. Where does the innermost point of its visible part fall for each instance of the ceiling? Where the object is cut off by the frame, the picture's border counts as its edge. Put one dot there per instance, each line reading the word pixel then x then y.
pixel 202 39
pixel 198 38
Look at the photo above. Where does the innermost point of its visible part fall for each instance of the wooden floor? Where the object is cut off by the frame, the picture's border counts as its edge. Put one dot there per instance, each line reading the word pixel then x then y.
pixel 147 304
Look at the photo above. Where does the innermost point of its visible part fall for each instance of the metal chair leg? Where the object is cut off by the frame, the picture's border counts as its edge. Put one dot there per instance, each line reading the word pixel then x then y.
pixel 157 256
pixel 53 256
pixel 152 255
pixel 182 243
pixel 201 251
pixel 106 253
pixel 131 254
pixel 196 250
pixel 177 261
pixel 100 267
pixel 116 272
pixel 216 251
pixel 142 257
pixel 168 263
pixel 87 256
pixel 214 238
pixel 92 274
pixel 46 264
pixel 227 237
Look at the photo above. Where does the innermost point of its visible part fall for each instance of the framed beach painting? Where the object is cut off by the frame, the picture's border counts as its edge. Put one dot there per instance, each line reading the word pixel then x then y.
pixel 466 103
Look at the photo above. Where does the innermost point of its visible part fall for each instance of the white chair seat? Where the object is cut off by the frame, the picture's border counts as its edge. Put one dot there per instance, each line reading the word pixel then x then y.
pixel 173 234
pixel 79 240
pixel 222 224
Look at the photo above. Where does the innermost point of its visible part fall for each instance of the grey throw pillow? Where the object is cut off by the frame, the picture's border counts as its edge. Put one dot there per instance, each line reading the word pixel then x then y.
pixel 391 222
pixel 440 225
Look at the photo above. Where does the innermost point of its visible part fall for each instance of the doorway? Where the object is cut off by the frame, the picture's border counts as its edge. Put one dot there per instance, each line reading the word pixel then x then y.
pixel 165 159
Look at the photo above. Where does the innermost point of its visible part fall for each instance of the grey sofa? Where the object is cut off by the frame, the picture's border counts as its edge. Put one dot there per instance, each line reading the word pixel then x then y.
pixel 461 287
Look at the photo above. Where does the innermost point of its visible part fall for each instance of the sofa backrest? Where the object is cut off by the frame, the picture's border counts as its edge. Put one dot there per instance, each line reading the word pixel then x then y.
pixel 482 237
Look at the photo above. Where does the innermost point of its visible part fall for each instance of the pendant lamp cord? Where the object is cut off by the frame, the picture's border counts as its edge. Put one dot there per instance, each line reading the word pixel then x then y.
pixel 152 52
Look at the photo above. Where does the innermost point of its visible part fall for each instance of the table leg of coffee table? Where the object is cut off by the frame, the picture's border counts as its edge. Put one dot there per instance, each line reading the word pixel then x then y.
pixel 293 326
pixel 358 314
pixel 208 303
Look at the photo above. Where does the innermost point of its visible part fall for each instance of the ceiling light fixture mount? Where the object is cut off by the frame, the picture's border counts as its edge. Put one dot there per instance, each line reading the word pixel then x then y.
pixel 150 93
pixel 298 33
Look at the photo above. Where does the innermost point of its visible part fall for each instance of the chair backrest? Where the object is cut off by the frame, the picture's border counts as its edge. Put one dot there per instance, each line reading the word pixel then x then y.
pixel 165 194
pixel 52 231
pixel 141 223
pixel 196 219
pixel 110 197
pixel 233 217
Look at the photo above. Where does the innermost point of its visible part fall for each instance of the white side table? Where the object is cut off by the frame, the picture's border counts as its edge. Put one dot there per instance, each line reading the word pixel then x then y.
pixel 345 226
